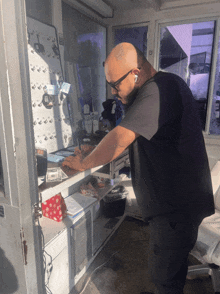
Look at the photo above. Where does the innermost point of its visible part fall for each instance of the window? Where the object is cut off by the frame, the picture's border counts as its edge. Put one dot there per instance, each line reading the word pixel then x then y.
pixel 134 35
pixel 40 10
pixel 84 54
pixel 215 112
pixel 138 37
pixel 186 50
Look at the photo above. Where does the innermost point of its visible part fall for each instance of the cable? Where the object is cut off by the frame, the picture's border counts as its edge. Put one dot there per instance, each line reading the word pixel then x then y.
pixel 50 263
pixel 105 264
pixel 44 261
pixel 96 270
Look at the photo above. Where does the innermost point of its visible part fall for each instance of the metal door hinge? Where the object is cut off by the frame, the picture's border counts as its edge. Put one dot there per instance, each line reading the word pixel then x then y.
pixel 38 208
pixel 24 246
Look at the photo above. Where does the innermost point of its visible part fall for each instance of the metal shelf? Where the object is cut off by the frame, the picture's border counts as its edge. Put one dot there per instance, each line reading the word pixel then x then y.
pixel 51 228
pixel 48 190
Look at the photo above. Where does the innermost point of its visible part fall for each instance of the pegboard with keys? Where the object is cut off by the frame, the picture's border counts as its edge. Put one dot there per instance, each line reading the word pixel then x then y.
pixel 51 119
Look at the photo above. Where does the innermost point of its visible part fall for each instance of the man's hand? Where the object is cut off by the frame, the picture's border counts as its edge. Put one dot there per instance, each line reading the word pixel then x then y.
pixel 74 162
pixel 111 146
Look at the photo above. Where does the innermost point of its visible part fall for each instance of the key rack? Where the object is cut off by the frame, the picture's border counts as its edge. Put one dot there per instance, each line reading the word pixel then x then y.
pixel 51 119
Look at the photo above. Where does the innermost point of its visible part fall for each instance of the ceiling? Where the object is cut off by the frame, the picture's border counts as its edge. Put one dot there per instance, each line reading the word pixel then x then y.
pixel 134 4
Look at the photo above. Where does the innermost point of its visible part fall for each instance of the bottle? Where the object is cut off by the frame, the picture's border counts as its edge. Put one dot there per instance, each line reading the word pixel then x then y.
pixel 95 122
pixel 88 123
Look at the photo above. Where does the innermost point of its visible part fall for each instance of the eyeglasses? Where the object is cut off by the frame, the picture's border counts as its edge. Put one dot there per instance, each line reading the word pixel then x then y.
pixel 113 85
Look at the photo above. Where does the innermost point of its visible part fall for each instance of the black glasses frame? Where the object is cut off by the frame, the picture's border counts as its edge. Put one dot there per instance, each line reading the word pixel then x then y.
pixel 114 85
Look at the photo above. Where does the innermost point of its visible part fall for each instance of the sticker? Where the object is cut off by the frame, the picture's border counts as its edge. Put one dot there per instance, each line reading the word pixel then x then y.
pixel 52 90
pixel 65 88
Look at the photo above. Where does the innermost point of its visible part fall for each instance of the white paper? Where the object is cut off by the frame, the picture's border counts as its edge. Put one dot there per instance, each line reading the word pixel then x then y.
pixel 77 202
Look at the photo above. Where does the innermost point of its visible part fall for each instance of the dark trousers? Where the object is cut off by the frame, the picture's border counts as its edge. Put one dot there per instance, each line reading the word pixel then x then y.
pixel 172 237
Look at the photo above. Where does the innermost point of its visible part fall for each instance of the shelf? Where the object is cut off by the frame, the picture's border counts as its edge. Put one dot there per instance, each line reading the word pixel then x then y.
pixel 104 191
pixel 50 189
pixel 104 172
pixel 51 228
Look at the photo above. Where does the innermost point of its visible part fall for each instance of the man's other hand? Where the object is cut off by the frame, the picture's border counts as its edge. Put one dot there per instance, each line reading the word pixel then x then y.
pixel 74 162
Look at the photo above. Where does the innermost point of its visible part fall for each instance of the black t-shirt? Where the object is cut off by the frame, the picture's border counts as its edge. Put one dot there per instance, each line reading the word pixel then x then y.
pixel 169 164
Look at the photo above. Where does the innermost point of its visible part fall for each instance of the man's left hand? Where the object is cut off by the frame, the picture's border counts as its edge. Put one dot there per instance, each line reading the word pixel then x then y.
pixel 74 162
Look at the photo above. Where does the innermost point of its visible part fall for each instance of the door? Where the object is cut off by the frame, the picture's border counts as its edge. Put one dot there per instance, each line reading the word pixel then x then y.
pixel 21 265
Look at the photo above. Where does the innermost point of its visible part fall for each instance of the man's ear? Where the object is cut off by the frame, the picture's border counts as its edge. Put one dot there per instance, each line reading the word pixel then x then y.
pixel 136 73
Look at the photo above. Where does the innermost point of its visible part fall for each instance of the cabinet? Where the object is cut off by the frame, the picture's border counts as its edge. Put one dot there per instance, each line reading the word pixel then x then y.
pixel 72 245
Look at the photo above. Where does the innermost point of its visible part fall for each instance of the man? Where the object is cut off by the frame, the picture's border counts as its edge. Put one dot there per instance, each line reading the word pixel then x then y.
pixel 169 166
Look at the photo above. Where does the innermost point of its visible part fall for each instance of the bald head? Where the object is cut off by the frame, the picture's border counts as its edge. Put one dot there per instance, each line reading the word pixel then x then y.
pixel 126 70
pixel 123 58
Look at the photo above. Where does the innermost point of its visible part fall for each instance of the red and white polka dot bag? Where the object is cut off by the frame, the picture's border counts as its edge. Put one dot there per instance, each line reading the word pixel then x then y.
pixel 55 208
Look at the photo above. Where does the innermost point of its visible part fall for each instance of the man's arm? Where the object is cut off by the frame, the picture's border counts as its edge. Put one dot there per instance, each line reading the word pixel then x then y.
pixel 111 146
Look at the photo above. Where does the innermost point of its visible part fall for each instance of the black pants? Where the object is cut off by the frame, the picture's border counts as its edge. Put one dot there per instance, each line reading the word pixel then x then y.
pixel 172 237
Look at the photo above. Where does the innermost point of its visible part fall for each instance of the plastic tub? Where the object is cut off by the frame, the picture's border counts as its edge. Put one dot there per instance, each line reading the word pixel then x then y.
pixel 114 202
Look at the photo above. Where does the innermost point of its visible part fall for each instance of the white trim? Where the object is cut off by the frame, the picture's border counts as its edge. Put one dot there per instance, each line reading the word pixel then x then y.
pixel 22 167
pixel 99 6
pixel 131 25
pixel 188 20
pixel 86 11
pixel 184 3
pixel 212 79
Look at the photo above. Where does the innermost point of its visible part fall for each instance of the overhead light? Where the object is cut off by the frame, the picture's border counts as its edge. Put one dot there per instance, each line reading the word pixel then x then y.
pixel 98 6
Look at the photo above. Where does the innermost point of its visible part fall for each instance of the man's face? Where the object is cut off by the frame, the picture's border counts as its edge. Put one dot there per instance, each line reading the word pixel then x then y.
pixel 122 83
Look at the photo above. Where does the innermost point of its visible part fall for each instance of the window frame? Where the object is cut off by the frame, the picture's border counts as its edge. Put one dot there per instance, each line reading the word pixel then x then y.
pixel 165 23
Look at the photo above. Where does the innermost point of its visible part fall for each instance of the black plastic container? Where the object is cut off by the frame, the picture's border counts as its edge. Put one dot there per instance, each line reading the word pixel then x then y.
pixel 114 202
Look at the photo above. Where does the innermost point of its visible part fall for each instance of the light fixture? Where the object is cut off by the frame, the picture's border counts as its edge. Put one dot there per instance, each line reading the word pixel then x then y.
pixel 98 6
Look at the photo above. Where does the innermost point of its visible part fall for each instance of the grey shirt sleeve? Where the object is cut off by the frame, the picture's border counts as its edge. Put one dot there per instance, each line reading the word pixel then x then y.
pixel 143 115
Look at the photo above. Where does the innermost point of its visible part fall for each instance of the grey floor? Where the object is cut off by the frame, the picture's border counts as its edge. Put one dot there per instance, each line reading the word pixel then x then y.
pixel 125 265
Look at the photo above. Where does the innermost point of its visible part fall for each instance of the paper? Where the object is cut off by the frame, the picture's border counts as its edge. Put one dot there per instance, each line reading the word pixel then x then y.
pixel 64 153
pixel 54 158
pixel 54 175
pixel 77 203
pixel 52 90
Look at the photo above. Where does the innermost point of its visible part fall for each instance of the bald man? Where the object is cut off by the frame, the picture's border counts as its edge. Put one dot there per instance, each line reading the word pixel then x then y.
pixel 169 165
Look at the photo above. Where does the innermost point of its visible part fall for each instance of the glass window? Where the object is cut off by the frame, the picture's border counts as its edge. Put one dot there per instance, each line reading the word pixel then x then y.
pixel 186 50
pixel 215 112
pixel 134 35
pixel 40 10
pixel 84 54
pixel 1 178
